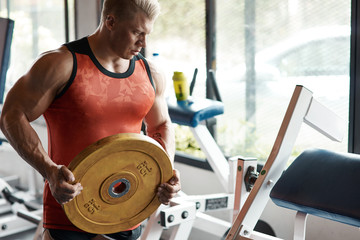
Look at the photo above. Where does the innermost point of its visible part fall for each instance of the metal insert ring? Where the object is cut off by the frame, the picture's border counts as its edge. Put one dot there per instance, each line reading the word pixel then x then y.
pixel 122 193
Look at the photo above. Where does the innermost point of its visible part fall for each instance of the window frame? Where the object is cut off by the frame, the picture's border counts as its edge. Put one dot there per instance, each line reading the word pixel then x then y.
pixel 354 103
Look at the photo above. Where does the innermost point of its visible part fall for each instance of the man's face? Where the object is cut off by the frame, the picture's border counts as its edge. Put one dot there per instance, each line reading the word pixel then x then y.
pixel 130 36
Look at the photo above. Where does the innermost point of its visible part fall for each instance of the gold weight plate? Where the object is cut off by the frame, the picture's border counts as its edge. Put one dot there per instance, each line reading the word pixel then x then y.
pixel 135 162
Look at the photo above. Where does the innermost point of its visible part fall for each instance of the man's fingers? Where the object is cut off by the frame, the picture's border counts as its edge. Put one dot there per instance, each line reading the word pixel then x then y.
pixel 71 188
pixel 67 174
pixel 69 178
pixel 66 188
pixel 167 191
pixel 175 178
pixel 68 192
pixel 164 197
pixel 170 188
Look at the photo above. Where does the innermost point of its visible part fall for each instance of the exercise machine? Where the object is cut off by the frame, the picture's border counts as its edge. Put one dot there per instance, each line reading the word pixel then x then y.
pixel 19 211
pixel 246 192
pixel 302 108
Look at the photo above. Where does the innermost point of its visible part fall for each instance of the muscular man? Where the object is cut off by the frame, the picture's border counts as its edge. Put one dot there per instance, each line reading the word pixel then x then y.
pixel 87 90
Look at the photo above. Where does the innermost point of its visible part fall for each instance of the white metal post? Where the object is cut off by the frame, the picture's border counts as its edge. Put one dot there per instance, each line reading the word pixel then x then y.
pixel 300 226
pixel 213 153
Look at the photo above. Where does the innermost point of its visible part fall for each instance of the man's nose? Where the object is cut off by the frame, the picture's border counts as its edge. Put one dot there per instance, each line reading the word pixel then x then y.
pixel 142 41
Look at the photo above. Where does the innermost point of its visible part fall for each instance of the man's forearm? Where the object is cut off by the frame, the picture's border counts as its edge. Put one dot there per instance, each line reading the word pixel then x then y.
pixel 26 142
pixel 166 137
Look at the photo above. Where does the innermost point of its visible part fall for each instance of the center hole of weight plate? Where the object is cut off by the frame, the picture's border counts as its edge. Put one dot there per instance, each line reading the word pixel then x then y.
pixel 119 188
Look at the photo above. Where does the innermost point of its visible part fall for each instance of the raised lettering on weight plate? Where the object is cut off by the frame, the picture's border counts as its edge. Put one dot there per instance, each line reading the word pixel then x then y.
pixel 92 206
pixel 144 168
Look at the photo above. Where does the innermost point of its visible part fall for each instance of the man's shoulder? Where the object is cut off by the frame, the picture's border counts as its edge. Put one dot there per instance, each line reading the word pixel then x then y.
pixel 54 66
pixel 59 54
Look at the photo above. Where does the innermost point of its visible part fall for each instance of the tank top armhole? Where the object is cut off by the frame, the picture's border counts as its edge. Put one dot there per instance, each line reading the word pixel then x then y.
pixel 147 70
pixel 72 77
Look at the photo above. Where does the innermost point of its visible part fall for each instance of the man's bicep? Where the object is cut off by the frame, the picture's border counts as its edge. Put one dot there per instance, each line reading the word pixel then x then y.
pixel 22 99
pixel 157 116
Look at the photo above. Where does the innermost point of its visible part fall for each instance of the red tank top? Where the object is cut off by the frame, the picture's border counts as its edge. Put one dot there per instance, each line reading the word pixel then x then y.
pixel 95 104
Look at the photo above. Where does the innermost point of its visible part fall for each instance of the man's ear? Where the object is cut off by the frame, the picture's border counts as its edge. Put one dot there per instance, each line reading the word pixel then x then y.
pixel 110 22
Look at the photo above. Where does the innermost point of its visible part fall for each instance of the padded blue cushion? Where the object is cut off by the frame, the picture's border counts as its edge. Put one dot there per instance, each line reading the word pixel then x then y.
pixel 194 110
pixel 322 183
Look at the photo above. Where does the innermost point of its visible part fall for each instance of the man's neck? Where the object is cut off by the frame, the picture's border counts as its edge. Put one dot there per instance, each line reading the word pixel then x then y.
pixel 105 56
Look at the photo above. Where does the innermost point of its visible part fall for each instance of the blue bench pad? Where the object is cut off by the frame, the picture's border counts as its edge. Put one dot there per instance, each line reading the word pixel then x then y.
pixel 194 110
pixel 322 183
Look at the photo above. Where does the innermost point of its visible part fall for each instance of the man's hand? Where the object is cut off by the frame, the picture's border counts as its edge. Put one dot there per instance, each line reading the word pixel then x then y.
pixel 167 191
pixel 61 185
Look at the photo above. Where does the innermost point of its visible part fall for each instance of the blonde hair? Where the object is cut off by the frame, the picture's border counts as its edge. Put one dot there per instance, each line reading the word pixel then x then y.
pixel 126 9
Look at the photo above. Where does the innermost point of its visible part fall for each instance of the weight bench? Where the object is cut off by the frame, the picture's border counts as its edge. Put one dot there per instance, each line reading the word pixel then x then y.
pixel 321 183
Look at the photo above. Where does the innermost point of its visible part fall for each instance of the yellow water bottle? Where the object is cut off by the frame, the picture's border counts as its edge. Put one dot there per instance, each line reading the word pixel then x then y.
pixel 181 86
